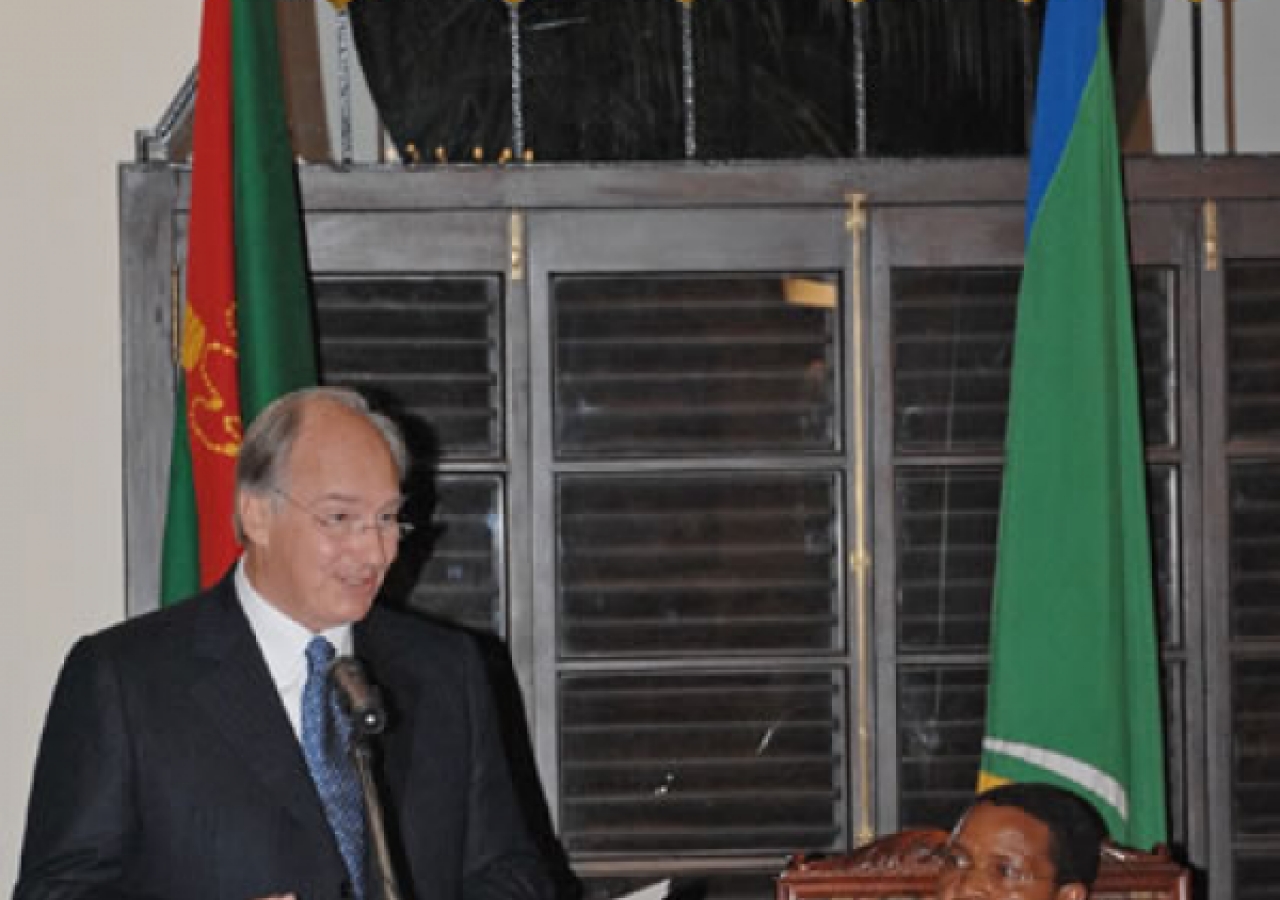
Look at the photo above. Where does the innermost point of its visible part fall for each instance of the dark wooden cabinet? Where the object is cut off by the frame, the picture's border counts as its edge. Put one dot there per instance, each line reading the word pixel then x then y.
pixel 716 451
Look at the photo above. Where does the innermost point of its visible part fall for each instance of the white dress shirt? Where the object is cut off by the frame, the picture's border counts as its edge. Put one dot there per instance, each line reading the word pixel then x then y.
pixel 284 645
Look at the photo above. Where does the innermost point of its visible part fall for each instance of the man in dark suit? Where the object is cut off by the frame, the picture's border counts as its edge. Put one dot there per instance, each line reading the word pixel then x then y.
pixel 171 764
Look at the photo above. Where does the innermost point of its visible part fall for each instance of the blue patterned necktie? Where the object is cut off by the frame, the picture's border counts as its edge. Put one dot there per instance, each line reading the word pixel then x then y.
pixel 326 736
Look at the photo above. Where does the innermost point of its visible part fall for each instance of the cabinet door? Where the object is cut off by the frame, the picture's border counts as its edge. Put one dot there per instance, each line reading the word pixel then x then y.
pixel 1242 443
pixel 415 309
pixel 690 447
pixel 944 299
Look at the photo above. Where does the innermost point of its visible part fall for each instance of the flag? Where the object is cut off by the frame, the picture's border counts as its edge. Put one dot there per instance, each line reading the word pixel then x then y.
pixel 247 333
pixel 1074 693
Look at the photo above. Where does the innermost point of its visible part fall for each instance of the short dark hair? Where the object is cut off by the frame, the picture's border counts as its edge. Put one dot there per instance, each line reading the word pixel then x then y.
pixel 1076 831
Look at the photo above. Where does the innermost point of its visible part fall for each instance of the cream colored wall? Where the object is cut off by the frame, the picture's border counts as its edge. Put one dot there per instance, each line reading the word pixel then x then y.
pixel 76 78
pixel 1254 25
pixel 1257 23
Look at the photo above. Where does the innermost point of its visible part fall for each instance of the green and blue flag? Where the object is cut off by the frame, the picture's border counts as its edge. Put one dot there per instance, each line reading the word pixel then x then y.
pixel 1074 694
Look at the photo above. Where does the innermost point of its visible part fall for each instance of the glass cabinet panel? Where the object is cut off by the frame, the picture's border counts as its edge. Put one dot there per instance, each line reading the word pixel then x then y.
pixel 681 564
pixel 650 365
pixel 430 345
pixel 705 761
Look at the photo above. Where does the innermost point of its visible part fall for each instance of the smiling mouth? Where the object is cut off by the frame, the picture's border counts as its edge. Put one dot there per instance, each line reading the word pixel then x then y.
pixel 367 581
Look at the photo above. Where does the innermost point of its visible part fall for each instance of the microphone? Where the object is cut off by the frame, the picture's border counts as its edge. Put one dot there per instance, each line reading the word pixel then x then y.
pixel 359 698
pixel 361 701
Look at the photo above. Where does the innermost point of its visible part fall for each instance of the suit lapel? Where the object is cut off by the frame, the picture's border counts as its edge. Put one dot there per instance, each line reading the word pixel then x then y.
pixel 237 695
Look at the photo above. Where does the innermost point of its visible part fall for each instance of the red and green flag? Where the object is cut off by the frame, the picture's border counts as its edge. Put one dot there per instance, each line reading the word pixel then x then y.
pixel 247 333
pixel 1074 693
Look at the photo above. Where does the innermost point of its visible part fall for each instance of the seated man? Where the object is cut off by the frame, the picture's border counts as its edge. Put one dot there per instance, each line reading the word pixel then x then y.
pixel 1026 841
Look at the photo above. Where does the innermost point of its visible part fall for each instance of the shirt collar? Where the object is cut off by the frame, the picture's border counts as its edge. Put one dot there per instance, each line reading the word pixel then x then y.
pixel 282 639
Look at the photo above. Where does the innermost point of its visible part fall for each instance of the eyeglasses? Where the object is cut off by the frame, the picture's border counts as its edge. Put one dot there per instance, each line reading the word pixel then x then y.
pixel 345 525
pixel 1006 873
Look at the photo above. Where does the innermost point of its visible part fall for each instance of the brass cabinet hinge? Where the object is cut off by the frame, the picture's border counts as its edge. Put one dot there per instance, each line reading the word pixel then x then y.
pixel 517 245
pixel 855 215
pixel 1211 248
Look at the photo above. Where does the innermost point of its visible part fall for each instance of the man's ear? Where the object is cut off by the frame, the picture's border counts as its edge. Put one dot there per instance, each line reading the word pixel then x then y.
pixel 255 517
pixel 1073 891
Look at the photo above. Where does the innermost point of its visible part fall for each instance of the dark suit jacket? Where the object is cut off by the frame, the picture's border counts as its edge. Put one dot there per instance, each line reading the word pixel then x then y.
pixel 168 769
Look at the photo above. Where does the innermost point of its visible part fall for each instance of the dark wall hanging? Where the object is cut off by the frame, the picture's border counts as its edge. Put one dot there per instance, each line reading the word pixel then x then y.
pixel 460 80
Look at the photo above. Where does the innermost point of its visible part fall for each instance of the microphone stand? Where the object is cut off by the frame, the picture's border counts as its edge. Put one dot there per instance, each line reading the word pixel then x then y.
pixel 384 875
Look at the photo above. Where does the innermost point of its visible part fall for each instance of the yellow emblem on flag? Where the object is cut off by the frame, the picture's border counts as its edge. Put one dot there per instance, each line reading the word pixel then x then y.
pixel 217 429
pixel 194 334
